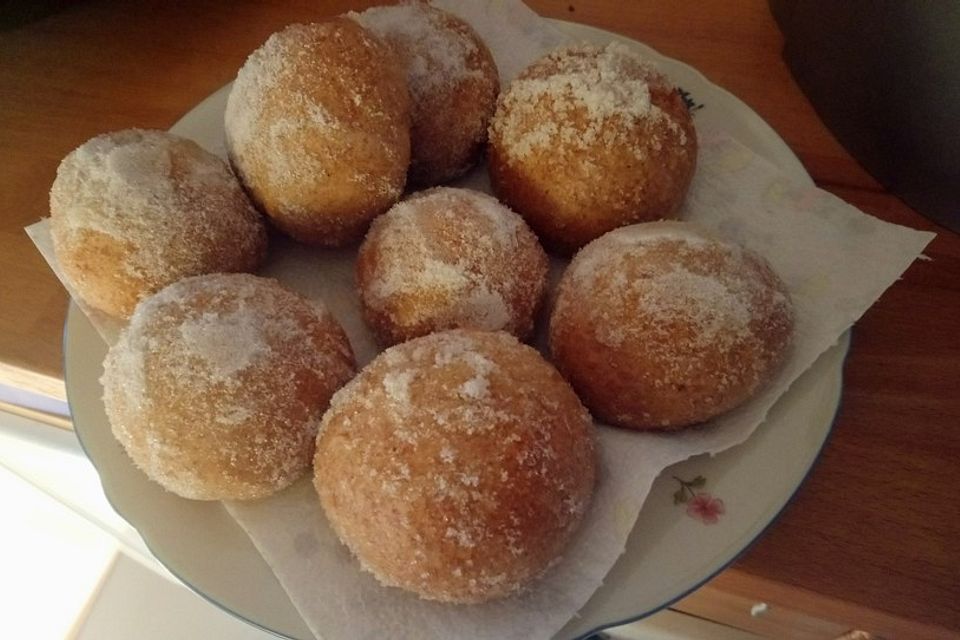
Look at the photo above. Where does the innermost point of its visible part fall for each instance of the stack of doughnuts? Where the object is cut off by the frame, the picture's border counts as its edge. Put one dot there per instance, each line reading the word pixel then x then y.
pixel 458 463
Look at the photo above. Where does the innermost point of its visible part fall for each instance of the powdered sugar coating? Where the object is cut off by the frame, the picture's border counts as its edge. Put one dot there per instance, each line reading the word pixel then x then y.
pixel 453 84
pixel 590 138
pixel 466 486
pixel 317 125
pixel 450 258
pixel 661 325
pixel 216 387
pixel 135 210
pixel 438 55
pixel 600 84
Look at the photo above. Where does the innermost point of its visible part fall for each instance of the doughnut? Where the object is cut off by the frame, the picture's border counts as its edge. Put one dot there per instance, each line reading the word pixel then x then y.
pixel 217 386
pixel 456 465
pixel 450 258
pixel 133 211
pixel 588 139
pixel 661 326
pixel 453 84
pixel 318 128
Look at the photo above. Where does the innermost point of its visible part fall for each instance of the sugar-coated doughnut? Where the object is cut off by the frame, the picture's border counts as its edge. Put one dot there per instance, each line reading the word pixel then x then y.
pixel 660 325
pixel 450 258
pixel 456 465
pixel 133 211
pixel 217 386
pixel 318 128
pixel 453 83
pixel 588 139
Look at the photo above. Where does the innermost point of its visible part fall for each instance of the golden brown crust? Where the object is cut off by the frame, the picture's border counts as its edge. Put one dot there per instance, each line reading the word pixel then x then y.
pixel 456 465
pixel 318 128
pixel 453 83
pixel 133 211
pixel 217 386
pixel 94 265
pixel 589 139
pixel 658 326
pixel 450 258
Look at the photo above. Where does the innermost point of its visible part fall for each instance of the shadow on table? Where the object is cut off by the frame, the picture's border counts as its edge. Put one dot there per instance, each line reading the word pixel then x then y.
pixel 16 13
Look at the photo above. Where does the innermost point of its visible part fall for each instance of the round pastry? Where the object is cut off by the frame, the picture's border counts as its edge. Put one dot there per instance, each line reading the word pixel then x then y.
pixel 588 139
pixel 217 386
pixel 660 326
pixel 456 465
pixel 318 128
pixel 133 211
pixel 446 259
pixel 453 83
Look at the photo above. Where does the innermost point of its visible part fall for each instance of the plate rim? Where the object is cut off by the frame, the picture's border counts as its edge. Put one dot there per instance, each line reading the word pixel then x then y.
pixel 797 172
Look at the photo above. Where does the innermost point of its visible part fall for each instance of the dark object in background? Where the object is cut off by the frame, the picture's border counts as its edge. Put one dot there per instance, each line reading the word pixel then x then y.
pixel 884 75
pixel 16 13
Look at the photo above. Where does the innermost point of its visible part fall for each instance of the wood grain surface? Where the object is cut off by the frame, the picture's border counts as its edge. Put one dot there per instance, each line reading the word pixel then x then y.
pixel 876 526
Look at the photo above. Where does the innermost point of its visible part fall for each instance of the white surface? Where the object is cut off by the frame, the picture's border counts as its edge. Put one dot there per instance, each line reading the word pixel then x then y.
pixel 19 397
pixel 73 568
pixel 51 560
pixel 52 461
pixel 134 602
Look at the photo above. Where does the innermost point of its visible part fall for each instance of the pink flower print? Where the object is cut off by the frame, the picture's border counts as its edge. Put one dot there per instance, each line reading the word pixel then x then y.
pixel 705 508
pixel 701 505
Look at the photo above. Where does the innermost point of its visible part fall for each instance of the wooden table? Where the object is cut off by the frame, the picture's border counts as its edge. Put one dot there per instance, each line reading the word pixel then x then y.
pixel 871 540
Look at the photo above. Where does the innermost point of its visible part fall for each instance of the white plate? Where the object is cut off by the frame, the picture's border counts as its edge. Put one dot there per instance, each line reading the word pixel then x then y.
pixel 668 554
